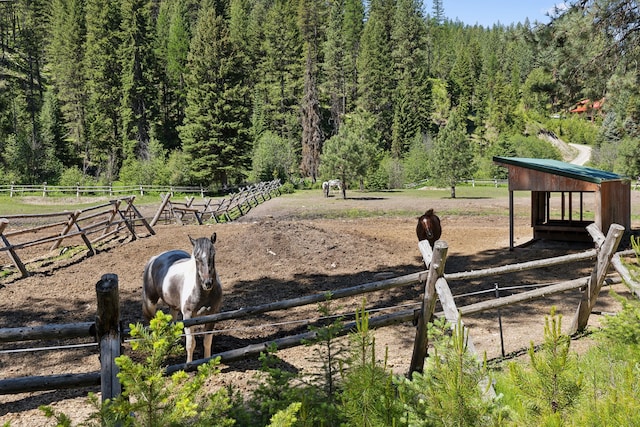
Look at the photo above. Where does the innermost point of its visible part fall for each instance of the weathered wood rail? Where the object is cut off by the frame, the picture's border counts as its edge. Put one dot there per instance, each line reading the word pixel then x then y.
pixel 78 190
pixel 230 207
pixel 92 225
pixel 434 280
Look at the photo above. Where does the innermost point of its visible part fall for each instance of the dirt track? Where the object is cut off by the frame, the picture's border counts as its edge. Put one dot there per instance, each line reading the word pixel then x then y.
pixel 281 250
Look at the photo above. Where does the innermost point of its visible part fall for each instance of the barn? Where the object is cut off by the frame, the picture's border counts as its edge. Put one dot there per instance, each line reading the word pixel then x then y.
pixel 566 198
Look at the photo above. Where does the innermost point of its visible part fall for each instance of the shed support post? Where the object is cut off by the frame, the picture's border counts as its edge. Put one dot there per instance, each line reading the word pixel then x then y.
pixel 163 206
pixel 511 225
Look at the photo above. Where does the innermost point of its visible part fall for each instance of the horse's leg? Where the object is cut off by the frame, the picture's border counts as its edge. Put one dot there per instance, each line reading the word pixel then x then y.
pixel 208 340
pixel 190 344
pixel 148 308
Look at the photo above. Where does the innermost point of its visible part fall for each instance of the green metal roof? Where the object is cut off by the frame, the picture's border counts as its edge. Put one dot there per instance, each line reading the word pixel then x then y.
pixel 557 167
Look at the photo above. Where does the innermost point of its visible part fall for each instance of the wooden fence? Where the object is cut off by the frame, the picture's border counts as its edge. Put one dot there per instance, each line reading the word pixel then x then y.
pixel 435 286
pixel 98 223
pixel 78 190
pixel 231 207
pixel 92 225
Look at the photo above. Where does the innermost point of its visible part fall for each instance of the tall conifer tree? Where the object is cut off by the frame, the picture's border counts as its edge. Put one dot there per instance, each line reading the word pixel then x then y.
pixel 375 68
pixel 352 27
pixel 103 71
pixel 138 69
pixel 334 66
pixel 412 96
pixel 172 46
pixel 279 88
pixel 311 16
pixel 215 135
pixel 65 53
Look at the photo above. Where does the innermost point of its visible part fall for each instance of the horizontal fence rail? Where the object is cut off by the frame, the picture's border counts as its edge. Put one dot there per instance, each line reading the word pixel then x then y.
pixel 78 190
pixel 45 190
pixel 53 332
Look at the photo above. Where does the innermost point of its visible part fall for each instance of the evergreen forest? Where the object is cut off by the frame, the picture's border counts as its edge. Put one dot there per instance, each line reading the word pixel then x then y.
pixel 379 93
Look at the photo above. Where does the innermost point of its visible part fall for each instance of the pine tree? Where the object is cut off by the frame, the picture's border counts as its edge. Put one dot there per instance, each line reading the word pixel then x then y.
pixel 352 27
pixel 138 70
pixel 438 11
pixel 311 17
pixel 452 160
pixel 172 46
pixel 279 84
pixel 215 135
pixel 65 53
pixel 412 97
pixel 52 133
pixel 334 66
pixel 104 93
pixel 31 33
pixel 375 68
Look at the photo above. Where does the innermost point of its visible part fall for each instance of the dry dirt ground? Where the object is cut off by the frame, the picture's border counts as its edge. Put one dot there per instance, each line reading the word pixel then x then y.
pixel 283 249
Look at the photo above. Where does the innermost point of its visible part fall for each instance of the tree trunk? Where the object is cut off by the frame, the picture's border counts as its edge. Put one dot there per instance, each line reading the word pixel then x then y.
pixel 453 191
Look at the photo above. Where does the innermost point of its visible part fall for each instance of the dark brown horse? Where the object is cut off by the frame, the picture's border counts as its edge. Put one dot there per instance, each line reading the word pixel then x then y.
pixel 428 227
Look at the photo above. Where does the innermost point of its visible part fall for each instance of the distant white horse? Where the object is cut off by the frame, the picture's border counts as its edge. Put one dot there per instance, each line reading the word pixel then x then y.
pixel 332 184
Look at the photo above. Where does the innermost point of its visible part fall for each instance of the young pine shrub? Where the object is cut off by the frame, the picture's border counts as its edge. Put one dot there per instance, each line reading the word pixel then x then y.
pixel 149 398
pixel 278 388
pixel 551 384
pixel 448 392
pixel 611 369
pixel 368 395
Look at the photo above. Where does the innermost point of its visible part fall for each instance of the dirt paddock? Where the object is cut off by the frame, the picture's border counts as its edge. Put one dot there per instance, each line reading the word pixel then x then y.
pixel 283 249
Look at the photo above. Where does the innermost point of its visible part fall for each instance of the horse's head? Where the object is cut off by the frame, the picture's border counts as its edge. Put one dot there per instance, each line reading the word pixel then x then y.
pixel 205 255
pixel 428 227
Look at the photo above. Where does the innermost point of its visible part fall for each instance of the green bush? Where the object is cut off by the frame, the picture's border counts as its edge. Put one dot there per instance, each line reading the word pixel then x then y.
pixel 449 392
pixel 151 399
pixel 73 176
pixel 287 188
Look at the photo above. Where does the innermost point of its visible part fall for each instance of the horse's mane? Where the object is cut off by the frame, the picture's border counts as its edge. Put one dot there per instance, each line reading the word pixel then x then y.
pixel 429 212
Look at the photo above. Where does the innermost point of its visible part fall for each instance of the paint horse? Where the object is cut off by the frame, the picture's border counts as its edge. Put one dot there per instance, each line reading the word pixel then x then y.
pixel 428 227
pixel 327 186
pixel 188 284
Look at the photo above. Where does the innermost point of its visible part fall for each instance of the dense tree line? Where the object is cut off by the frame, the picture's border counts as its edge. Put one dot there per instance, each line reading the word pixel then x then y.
pixel 216 92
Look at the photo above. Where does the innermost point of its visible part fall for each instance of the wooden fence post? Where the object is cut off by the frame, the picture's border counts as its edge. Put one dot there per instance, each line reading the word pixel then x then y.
pixel 73 221
pixel 12 253
pixel 161 209
pixel 108 334
pixel 606 250
pixel 436 269
pixel 138 216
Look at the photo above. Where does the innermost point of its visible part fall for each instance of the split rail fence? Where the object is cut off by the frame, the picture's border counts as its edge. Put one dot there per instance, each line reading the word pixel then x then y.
pixel 231 207
pixel 92 225
pixel 98 223
pixel 78 190
pixel 109 333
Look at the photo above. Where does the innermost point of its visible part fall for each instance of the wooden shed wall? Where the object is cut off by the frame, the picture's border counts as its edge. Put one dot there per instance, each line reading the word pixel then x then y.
pixel 615 205
pixel 523 179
